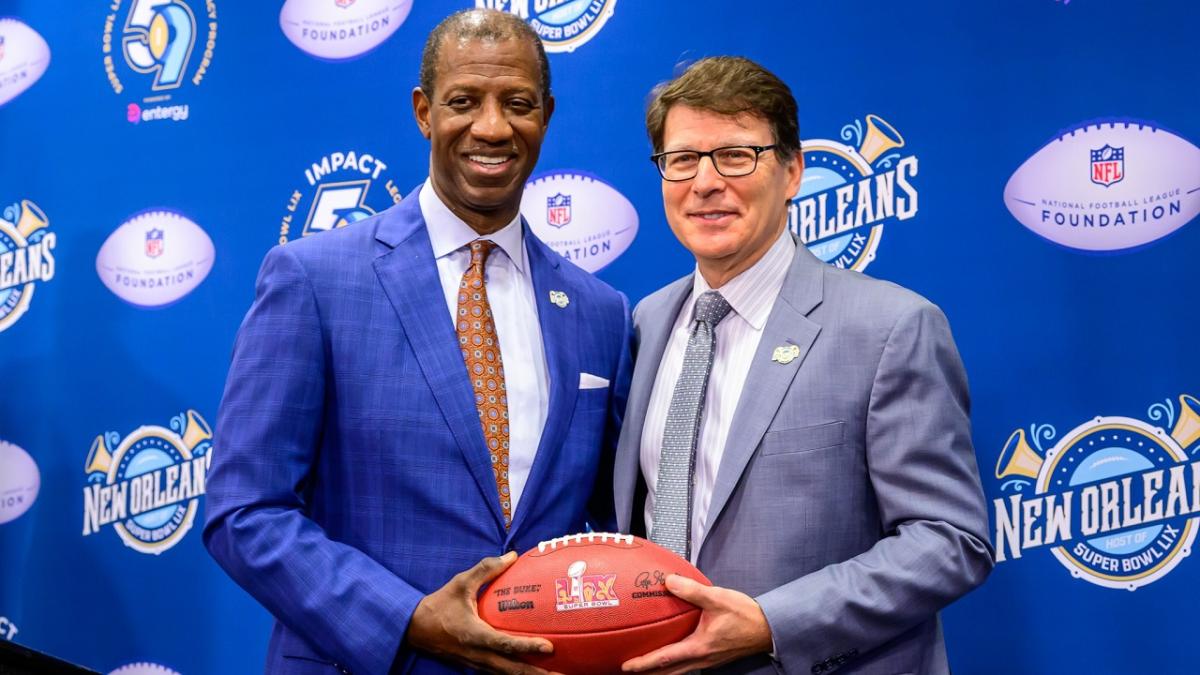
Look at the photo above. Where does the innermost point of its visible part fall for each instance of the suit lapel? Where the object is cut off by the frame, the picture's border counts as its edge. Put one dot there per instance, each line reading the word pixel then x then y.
pixel 654 323
pixel 560 326
pixel 767 380
pixel 409 276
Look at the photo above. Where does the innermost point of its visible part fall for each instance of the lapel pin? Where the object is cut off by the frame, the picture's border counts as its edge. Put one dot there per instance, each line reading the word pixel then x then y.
pixel 559 298
pixel 786 355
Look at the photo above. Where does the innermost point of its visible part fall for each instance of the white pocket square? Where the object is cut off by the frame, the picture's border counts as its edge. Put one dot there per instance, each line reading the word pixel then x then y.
pixel 590 381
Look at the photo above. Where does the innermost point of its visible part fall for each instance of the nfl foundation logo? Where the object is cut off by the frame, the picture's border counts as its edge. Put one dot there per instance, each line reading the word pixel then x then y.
pixel 154 243
pixel 1108 165
pixel 585 591
pixel 558 210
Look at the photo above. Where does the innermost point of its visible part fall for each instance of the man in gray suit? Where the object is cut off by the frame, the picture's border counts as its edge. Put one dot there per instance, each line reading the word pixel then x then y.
pixel 800 432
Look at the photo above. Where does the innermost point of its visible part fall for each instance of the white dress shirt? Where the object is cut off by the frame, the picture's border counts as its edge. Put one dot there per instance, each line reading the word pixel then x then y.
pixel 514 308
pixel 751 294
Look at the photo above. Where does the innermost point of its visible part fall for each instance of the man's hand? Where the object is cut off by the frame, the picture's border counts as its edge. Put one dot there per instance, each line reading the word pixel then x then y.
pixel 446 624
pixel 731 626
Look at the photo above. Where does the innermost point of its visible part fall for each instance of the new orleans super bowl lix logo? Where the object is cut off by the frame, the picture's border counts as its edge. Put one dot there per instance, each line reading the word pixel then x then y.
pixel 148 485
pixel 26 258
pixel 1116 498
pixel 157 49
pixel 849 192
pixel 563 25
pixel 342 187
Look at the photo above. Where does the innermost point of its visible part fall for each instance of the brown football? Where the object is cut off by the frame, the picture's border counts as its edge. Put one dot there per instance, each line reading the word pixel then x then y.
pixel 600 598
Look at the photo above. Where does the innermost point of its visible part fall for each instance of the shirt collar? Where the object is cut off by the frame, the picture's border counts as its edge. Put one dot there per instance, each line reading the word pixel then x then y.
pixel 752 293
pixel 448 233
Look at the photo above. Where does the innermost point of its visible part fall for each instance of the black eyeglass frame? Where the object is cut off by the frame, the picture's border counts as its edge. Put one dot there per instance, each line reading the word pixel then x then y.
pixel 711 155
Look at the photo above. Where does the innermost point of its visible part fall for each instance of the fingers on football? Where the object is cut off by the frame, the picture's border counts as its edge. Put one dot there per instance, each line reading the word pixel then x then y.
pixel 664 659
pixel 485 570
pixel 486 638
pixel 493 663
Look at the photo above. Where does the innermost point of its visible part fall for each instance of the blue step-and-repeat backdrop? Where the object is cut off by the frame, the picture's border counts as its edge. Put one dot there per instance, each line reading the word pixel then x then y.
pixel 1029 165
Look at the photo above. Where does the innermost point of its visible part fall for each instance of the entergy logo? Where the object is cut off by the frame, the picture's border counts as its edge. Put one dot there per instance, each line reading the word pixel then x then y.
pixel 158 50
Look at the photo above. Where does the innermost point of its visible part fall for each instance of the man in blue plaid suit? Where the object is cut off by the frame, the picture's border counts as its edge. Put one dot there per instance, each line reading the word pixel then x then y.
pixel 352 483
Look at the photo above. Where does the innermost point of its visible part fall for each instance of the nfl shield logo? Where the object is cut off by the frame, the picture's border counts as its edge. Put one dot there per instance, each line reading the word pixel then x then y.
pixel 154 243
pixel 343 3
pixel 558 210
pixel 1108 165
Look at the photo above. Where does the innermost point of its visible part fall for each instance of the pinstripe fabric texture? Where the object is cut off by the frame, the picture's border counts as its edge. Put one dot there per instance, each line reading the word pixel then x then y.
pixel 751 294
pixel 847 500
pixel 673 489
pixel 350 475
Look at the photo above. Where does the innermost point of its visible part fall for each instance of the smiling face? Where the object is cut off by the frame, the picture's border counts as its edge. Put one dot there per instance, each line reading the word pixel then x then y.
pixel 727 223
pixel 485 121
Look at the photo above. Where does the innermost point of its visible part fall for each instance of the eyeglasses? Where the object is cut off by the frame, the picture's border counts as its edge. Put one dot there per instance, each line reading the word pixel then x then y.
pixel 730 161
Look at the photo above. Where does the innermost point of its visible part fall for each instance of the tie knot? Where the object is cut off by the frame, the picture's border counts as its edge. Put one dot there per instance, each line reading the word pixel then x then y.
pixel 711 307
pixel 480 248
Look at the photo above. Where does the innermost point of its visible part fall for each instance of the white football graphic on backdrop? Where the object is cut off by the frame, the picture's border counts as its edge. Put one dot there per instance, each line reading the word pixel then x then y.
pixel 341 29
pixel 1108 186
pixel 24 56
pixel 20 482
pixel 143 668
pixel 155 258
pixel 580 216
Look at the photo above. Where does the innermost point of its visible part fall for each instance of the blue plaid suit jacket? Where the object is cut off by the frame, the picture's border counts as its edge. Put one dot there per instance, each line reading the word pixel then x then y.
pixel 350 476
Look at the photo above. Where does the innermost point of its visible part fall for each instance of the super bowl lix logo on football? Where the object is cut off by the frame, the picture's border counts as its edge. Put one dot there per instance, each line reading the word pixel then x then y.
pixel 563 25
pixel 158 48
pixel 1107 186
pixel 585 591
pixel 1116 498
pixel 849 192
pixel 148 485
pixel 338 192
pixel 26 258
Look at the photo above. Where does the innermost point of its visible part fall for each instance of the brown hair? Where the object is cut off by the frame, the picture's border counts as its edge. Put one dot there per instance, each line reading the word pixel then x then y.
pixel 729 85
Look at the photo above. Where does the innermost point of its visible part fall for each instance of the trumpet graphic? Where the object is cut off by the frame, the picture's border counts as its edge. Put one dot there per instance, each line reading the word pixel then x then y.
pixel 99 458
pixel 1018 458
pixel 31 219
pixel 1187 427
pixel 878 139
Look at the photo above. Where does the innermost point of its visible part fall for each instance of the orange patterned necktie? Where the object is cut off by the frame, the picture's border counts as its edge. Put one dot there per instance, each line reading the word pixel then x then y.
pixel 481 352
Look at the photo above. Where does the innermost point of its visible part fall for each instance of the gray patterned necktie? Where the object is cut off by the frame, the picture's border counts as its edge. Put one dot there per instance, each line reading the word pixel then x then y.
pixel 676 464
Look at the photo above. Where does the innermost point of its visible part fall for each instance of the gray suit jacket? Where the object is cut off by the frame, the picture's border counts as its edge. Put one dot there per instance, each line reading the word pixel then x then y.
pixel 848 501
